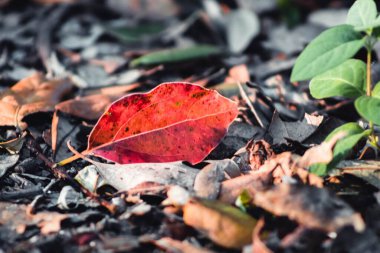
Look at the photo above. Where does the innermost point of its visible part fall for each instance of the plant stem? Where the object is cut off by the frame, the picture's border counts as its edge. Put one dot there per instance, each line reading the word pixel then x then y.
pixel 369 90
pixel 369 59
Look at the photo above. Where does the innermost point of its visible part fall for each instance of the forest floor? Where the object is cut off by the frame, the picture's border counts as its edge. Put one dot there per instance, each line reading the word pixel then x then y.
pixel 63 63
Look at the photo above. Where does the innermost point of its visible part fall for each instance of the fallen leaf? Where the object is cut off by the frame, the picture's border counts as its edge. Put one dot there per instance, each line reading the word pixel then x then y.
pixel 173 122
pixel 93 106
pixel 176 55
pixel 296 131
pixel 310 206
pixel 14 146
pixel 258 152
pixel 242 25
pixel 89 108
pixel 208 181
pixel 223 224
pixel 6 162
pixel 286 164
pixel 127 176
pixel 322 153
pixel 231 189
pixel 369 171
pixel 30 95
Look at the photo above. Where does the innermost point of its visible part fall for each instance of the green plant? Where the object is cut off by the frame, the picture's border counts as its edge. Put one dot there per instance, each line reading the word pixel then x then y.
pixel 326 61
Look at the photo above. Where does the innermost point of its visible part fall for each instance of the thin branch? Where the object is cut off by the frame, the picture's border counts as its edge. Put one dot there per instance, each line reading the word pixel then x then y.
pixel 248 101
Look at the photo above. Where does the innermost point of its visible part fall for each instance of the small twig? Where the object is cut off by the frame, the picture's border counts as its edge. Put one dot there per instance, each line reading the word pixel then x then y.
pixel 60 174
pixel 248 101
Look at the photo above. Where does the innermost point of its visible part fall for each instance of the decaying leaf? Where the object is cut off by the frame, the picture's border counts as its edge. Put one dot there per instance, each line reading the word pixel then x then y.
pixel 257 153
pixel 296 131
pixel 310 206
pixel 173 122
pixel 285 164
pixel 222 223
pixel 208 181
pixel 127 176
pixel 30 95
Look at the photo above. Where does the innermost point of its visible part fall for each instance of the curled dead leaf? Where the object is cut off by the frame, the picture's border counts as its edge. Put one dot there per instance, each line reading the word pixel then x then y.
pixel 14 146
pixel 258 152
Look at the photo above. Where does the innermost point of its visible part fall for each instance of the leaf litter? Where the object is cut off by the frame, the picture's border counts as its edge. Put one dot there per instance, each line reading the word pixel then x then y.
pixel 250 188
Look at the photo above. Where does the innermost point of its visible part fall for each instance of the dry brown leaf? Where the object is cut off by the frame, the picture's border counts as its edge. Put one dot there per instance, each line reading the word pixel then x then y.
pixel 93 106
pixel 30 95
pixel 114 90
pixel 322 153
pixel 223 224
pixel 89 108
pixel 258 152
pixel 310 206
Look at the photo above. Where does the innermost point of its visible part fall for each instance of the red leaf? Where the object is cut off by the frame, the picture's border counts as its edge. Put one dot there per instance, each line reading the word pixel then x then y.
pixel 173 122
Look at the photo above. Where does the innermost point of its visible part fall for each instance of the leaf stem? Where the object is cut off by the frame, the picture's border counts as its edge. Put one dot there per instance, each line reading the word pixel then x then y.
pixel 72 158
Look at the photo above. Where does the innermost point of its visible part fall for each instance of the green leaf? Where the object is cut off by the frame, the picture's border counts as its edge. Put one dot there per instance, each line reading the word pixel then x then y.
pixel 346 80
pixel 362 15
pixel 376 90
pixel 354 133
pixel 176 55
pixel 369 108
pixel 328 50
